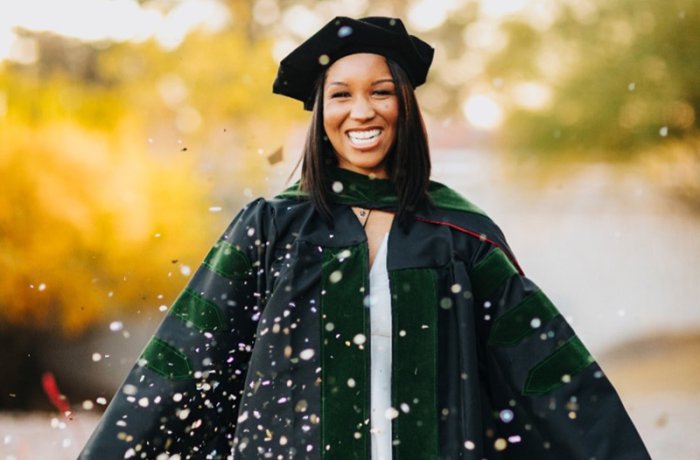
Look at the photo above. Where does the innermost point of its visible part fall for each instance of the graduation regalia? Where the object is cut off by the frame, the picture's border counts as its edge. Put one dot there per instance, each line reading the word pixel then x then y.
pixel 266 352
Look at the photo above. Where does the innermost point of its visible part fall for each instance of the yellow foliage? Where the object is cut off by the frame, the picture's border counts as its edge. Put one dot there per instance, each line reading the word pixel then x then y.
pixel 110 160
pixel 90 223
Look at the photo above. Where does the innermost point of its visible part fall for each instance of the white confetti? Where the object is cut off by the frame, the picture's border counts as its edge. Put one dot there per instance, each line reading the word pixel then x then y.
pixel 391 413
pixel 307 354
pixel 506 415
pixel 336 276
pixel 344 31
pixel 129 389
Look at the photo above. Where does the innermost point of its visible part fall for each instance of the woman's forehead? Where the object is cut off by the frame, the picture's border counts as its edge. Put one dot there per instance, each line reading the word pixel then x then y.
pixel 358 65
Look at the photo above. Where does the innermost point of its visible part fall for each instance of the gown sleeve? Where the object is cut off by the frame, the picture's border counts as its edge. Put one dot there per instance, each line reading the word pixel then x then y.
pixel 182 395
pixel 543 394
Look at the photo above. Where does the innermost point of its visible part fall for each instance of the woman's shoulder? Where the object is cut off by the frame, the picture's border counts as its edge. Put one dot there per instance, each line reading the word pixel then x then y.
pixel 444 197
pixel 271 215
pixel 268 207
pixel 447 203
pixel 466 219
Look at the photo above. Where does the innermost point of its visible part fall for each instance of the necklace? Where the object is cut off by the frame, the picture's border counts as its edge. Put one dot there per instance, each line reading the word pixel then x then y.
pixel 364 214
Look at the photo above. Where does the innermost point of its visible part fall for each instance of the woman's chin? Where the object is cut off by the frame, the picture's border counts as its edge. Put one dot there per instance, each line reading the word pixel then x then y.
pixel 368 169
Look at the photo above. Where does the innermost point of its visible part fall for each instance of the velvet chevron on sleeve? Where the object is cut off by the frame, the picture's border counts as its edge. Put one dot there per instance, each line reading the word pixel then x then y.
pixel 543 394
pixel 183 393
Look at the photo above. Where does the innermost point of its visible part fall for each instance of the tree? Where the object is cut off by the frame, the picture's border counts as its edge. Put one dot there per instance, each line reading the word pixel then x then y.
pixel 623 76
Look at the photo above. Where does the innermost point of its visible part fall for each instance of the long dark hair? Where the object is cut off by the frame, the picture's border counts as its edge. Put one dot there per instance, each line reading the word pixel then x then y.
pixel 407 164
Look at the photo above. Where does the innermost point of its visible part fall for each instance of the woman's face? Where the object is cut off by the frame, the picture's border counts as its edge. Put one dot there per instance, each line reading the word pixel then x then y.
pixel 360 109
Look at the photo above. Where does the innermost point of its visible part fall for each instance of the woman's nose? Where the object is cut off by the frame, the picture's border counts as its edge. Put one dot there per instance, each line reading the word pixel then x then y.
pixel 362 109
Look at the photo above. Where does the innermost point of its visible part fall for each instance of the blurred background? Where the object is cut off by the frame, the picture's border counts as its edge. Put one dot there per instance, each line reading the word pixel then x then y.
pixel 131 132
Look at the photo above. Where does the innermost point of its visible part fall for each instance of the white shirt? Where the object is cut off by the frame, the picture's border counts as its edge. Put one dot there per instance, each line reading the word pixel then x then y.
pixel 380 355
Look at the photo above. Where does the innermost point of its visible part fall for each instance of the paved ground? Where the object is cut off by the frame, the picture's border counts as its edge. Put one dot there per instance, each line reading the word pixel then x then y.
pixel 668 422
pixel 39 436
pixel 658 379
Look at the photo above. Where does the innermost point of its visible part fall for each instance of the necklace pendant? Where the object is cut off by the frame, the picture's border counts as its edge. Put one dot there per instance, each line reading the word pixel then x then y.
pixel 363 212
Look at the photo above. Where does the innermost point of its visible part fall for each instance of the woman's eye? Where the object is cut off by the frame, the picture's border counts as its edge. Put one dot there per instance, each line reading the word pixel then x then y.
pixel 384 92
pixel 340 94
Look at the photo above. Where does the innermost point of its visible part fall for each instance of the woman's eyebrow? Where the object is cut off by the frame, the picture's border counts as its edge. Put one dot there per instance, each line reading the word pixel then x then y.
pixel 376 82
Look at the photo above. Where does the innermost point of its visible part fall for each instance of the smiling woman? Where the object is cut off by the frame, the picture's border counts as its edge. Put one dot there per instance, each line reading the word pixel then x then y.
pixel 366 311
pixel 360 111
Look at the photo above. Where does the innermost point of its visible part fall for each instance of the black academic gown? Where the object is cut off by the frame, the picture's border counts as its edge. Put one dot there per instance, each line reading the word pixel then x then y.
pixel 266 352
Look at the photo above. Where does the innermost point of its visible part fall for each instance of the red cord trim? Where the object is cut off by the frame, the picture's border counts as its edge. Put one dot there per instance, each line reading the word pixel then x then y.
pixel 476 235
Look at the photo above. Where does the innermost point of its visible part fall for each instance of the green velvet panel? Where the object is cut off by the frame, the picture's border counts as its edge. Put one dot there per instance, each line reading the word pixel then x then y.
pixel 446 198
pixel 359 188
pixel 517 323
pixel 166 360
pixel 227 261
pixel 556 369
pixel 197 311
pixel 414 364
pixel 491 272
pixel 345 354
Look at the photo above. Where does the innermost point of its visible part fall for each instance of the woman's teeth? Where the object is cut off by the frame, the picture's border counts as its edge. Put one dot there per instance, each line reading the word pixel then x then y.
pixel 364 137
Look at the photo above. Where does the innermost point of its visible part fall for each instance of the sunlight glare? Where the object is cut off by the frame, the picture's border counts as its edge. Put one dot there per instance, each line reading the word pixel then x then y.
pixel 101 20
pixel 189 15
pixel 484 35
pixel 532 95
pixel 497 9
pixel 266 12
pixel 282 47
pixel 300 20
pixel 424 15
pixel 98 19
pixel 483 112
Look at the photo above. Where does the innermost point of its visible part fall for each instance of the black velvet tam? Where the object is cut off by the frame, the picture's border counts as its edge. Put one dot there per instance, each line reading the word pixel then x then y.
pixel 298 72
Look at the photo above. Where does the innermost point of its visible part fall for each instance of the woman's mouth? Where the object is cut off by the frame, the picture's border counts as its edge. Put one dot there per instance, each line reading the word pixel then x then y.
pixel 364 138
